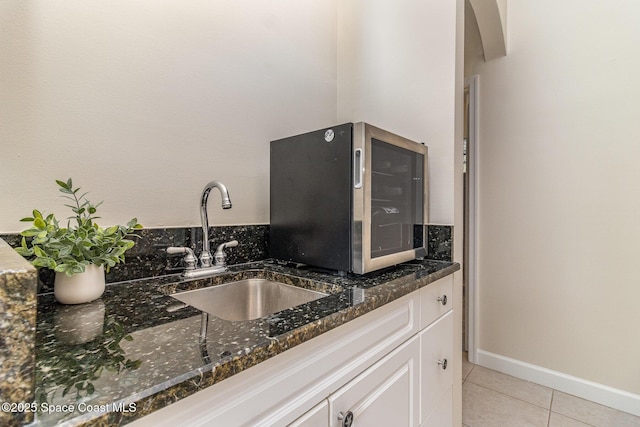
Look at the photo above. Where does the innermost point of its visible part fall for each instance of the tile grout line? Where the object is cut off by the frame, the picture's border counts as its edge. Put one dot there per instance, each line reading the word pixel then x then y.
pixel 512 397
pixel 553 393
pixel 469 373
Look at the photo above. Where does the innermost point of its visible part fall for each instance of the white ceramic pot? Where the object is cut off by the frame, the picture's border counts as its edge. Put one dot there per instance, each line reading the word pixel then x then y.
pixel 81 287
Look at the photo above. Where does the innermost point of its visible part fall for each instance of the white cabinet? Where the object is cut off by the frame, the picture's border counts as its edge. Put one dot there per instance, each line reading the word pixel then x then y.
pixel 316 417
pixel 385 394
pixel 443 414
pixel 278 391
pixel 436 364
pixel 437 352
pixel 383 367
pixel 435 300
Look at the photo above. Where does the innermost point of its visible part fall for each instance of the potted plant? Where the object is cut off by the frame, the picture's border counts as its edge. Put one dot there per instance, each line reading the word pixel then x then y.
pixel 78 253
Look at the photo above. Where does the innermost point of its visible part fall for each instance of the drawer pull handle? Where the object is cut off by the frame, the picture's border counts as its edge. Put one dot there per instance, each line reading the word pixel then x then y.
pixel 443 299
pixel 443 363
pixel 347 419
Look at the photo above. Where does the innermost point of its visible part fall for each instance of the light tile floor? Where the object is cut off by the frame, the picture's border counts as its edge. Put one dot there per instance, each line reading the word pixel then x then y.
pixel 494 399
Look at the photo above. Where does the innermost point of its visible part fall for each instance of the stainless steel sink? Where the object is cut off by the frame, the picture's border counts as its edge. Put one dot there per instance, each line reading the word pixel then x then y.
pixel 247 299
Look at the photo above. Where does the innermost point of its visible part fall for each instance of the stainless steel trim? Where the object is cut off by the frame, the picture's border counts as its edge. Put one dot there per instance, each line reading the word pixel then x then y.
pixel 361 250
pixel 358 171
pixel 360 238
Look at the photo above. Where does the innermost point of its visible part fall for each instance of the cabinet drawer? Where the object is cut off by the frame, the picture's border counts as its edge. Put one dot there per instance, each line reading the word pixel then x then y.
pixel 436 364
pixel 435 300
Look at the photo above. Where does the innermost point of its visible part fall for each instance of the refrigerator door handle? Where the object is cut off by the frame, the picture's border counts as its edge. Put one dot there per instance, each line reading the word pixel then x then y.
pixel 358 171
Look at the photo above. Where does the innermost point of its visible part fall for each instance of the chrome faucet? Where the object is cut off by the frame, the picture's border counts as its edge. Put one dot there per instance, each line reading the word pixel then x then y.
pixel 205 256
pixel 205 268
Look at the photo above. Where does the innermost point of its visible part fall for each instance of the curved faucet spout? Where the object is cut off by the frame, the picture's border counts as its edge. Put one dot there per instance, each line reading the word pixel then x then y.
pixel 205 257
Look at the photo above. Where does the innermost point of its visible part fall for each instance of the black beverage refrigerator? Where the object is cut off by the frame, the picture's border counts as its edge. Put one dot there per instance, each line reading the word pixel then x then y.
pixel 350 198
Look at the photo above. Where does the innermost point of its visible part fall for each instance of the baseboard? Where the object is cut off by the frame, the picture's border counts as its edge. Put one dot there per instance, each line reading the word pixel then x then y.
pixel 599 393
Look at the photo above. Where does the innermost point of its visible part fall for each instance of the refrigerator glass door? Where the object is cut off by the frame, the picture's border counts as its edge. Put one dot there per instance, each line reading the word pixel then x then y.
pixel 396 199
pixel 390 207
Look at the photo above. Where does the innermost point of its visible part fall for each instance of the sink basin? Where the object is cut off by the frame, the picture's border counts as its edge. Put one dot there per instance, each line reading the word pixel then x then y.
pixel 247 299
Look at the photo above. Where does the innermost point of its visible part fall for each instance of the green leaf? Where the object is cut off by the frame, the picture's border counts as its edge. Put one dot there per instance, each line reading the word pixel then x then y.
pixel 39 223
pixel 39 252
pixel 60 268
pixel 24 251
pixel 66 191
pixel 44 262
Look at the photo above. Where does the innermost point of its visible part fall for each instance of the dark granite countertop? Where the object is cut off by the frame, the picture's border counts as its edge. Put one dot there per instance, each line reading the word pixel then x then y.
pixel 137 349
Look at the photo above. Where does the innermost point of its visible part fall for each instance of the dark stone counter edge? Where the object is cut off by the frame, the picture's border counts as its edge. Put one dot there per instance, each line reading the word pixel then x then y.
pixel 18 283
pixel 151 400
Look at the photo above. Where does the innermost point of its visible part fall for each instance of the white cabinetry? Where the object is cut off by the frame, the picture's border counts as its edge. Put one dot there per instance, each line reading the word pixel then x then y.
pixel 382 367
pixel 437 353
pixel 435 300
pixel 436 364
pixel 316 417
pixel 443 414
pixel 385 394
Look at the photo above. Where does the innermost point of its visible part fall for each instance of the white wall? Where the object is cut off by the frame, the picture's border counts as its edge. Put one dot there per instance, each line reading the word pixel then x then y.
pixel 397 71
pixel 143 102
pixel 560 193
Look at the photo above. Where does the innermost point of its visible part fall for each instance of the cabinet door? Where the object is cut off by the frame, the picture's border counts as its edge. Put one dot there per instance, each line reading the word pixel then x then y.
pixel 318 416
pixel 386 394
pixel 442 416
pixel 436 364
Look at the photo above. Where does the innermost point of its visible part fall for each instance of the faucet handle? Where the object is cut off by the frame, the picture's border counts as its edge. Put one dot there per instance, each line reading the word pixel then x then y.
pixel 220 256
pixel 231 244
pixel 190 259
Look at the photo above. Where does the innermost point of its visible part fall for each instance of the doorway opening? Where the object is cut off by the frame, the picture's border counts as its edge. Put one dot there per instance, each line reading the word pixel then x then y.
pixel 470 226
